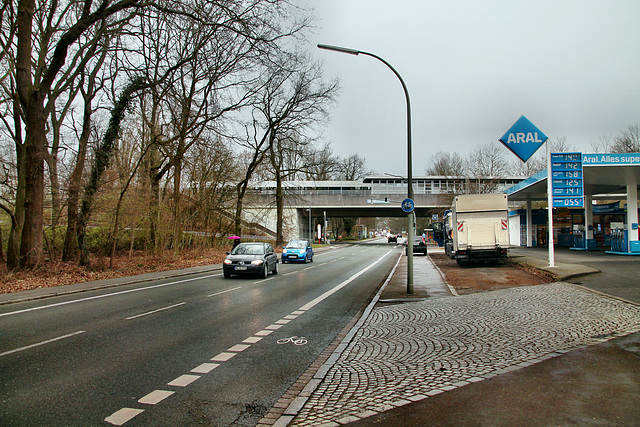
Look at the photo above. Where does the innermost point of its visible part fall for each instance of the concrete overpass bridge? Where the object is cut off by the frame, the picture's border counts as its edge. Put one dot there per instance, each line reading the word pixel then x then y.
pixel 308 202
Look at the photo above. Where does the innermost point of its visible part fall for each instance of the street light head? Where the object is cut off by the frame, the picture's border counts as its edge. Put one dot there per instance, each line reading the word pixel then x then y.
pixel 339 49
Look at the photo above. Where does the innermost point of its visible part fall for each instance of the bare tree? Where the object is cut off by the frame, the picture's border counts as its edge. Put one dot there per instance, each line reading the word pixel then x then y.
pixel 322 163
pixel 37 67
pixel 487 162
pixel 352 168
pixel 293 97
pixel 627 141
pixel 603 144
pixel 447 164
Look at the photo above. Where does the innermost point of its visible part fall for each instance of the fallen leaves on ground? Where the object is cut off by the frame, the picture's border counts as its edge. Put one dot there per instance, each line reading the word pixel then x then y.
pixel 57 273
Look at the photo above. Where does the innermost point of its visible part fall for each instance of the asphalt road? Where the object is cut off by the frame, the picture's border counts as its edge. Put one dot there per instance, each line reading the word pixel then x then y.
pixel 191 350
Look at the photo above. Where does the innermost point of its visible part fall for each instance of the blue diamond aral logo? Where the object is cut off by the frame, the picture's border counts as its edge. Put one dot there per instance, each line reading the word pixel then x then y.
pixel 523 138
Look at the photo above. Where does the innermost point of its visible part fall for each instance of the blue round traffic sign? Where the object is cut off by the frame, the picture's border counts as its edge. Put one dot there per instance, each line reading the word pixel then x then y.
pixel 407 205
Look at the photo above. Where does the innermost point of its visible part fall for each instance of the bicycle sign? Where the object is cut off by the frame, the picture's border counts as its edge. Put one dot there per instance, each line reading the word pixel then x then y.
pixel 407 205
pixel 293 340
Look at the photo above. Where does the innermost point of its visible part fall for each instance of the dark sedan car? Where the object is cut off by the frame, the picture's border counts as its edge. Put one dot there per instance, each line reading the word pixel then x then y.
pixel 392 238
pixel 251 258
pixel 419 245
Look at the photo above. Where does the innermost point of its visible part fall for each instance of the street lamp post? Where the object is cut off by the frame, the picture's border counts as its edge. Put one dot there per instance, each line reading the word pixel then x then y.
pixel 409 162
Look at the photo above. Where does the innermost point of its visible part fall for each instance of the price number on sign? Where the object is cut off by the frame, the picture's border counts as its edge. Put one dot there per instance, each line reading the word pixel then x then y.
pixel 568 202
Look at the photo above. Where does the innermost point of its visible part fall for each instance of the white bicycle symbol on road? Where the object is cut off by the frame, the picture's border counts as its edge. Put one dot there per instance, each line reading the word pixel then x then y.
pixel 294 340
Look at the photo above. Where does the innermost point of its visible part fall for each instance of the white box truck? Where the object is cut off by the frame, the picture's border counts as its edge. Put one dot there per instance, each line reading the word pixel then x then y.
pixel 477 228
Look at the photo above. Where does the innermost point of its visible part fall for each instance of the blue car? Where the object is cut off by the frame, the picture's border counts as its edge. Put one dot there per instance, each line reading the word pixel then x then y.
pixel 297 251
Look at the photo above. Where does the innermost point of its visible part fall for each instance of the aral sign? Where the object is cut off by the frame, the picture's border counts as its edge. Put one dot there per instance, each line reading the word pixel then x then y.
pixel 523 138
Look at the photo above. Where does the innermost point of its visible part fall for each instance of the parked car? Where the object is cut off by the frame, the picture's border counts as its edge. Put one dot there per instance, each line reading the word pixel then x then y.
pixel 392 238
pixel 297 251
pixel 251 258
pixel 419 245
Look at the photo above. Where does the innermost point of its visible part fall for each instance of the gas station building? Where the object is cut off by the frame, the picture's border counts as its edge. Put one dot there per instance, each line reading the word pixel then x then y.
pixel 611 179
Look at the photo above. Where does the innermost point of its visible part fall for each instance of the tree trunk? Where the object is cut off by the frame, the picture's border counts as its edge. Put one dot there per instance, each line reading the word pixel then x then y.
pixel 13 245
pixel 32 240
pixel 237 221
pixel 279 211
pixel 70 249
pixel 177 228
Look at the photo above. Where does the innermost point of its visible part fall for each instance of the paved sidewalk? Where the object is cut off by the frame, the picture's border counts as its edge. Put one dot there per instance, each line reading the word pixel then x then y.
pixel 556 354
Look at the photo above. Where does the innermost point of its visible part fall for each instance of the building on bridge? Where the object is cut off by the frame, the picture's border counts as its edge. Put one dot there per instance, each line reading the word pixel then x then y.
pixel 308 202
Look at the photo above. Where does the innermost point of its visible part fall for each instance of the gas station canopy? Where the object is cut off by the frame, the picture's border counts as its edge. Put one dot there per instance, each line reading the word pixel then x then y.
pixel 606 176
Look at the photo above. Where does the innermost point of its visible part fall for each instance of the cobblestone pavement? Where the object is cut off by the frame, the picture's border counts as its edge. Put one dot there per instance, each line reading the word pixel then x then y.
pixel 406 353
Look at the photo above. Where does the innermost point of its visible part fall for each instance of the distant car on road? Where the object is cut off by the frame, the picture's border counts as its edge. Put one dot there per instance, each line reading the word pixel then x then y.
pixel 251 258
pixel 392 238
pixel 297 251
pixel 419 245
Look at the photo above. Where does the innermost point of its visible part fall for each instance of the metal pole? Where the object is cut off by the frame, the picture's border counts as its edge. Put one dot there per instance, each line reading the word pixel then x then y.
pixel 410 231
pixel 552 259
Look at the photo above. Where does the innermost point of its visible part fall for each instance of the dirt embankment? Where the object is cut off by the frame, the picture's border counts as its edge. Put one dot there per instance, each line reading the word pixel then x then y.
pixel 488 277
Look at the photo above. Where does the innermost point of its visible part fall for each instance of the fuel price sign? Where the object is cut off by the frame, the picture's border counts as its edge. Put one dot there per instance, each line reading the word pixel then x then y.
pixel 567 183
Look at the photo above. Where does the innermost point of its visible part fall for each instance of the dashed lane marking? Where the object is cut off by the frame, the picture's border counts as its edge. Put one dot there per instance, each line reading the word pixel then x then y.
pixel 224 292
pixel 239 347
pixel 112 294
pixel 41 343
pixel 252 340
pixel 155 397
pixel 183 380
pixel 222 357
pixel 273 327
pixel 205 368
pixel 156 311
pixel 122 416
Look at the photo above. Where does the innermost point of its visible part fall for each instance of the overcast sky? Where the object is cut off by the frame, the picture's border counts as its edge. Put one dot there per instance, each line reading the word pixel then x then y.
pixel 472 67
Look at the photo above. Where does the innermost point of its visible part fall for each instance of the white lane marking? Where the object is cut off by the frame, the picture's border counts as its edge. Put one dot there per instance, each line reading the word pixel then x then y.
pixel 263 333
pixel 155 397
pixel 239 347
pixel 273 327
pixel 264 280
pixel 288 274
pixel 155 311
pixel 252 340
pixel 223 292
pixel 122 416
pixel 41 343
pixel 297 313
pixel 282 322
pixel 162 285
pixel 205 368
pixel 290 317
pixel 183 380
pixel 330 292
pixel 222 357
pixel 304 269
